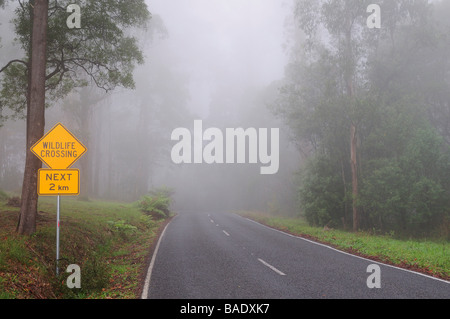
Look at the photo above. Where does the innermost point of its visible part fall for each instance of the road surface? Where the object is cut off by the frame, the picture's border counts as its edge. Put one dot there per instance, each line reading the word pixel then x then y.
pixel 225 256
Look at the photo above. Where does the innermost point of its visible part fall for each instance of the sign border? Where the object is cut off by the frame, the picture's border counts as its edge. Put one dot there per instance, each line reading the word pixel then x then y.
pixel 45 135
pixel 58 194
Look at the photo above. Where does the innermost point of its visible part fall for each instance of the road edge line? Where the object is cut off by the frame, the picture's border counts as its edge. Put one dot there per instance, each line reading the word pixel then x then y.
pixel 344 252
pixel 152 263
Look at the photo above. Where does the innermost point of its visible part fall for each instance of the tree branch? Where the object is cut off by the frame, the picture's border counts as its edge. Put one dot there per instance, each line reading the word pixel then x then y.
pixel 56 71
pixel 92 76
pixel 11 62
pixel 54 85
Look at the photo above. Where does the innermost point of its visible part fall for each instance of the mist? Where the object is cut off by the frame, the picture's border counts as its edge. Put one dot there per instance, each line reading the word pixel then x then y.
pixel 225 44
pixel 229 52
pixel 263 66
pixel 215 61
pixel 216 136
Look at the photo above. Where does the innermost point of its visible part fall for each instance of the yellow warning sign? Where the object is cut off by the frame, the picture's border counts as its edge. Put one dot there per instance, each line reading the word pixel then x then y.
pixel 59 149
pixel 63 182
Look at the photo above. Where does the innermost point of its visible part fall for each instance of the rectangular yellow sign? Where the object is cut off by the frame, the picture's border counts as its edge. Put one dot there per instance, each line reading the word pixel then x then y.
pixel 63 182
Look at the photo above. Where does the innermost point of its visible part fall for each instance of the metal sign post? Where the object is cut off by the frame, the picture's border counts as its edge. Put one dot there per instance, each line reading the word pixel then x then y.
pixel 59 149
pixel 58 202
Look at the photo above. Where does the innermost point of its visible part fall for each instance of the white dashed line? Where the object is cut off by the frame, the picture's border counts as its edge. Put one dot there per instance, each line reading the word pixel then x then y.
pixel 343 252
pixel 272 267
pixel 226 233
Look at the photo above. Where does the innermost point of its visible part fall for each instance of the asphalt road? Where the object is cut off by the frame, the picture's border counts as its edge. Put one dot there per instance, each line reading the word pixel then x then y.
pixel 225 256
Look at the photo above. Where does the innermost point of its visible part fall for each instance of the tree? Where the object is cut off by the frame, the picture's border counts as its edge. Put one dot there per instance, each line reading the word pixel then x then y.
pixel 344 22
pixel 409 192
pixel 335 86
pixel 404 159
pixel 100 53
pixel 35 116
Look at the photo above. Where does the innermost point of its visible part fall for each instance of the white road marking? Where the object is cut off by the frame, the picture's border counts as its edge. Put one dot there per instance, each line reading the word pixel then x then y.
pixel 271 267
pixel 343 252
pixel 152 263
pixel 226 233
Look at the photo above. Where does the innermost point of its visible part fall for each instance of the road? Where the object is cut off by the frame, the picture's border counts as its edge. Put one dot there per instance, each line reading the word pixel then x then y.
pixel 225 256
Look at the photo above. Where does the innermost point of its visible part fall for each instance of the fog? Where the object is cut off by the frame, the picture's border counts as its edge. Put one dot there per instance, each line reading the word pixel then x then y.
pixel 228 52
pixel 216 61
pixel 347 107
pixel 225 44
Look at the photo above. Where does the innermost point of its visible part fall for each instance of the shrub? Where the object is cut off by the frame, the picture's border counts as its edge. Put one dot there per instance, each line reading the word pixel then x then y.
pixel 157 203
pixel 122 228
pixel 3 196
pixel 13 202
pixel 146 222
pixel 321 193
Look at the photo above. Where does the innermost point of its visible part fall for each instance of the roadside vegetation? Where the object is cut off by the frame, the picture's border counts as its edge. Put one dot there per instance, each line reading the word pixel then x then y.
pixel 374 142
pixel 426 255
pixel 111 242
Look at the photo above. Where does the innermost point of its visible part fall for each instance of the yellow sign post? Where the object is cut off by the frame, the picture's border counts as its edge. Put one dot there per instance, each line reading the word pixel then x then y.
pixel 59 150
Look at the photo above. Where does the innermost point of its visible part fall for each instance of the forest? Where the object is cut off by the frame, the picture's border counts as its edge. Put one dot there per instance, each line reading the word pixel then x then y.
pixel 363 113
pixel 370 111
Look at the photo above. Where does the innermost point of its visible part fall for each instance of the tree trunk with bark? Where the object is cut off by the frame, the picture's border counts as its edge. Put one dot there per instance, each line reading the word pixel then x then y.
pixel 354 164
pixel 35 116
pixel 349 78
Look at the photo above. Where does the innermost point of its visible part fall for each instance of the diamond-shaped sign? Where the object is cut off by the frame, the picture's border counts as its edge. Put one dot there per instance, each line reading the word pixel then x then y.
pixel 59 149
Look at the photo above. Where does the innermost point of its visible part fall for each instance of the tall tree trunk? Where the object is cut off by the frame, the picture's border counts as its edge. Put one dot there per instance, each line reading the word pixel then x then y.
pixel 85 174
pixel 35 116
pixel 85 119
pixel 143 160
pixel 96 152
pixel 344 182
pixel 3 135
pixel 349 78
pixel 90 101
pixel 354 164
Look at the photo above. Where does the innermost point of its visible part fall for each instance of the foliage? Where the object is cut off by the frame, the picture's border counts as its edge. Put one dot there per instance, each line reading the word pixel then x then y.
pixel 400 93
pixel 101 51
pixel 27 265
pixel 121 227
pixel 320 193
pixel 404 185
pixel 3 196
pixel 397 106
pixel 157 203
pixel 409 192
pixel 146 222
pixel 95 275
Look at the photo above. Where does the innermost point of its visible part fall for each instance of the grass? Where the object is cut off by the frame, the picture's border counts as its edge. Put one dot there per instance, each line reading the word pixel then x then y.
pixel 427 256
pixel 109 241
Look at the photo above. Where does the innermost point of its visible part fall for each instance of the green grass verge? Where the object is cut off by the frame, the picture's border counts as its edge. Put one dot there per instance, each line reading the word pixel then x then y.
pixel 427 256
pixel 109 241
